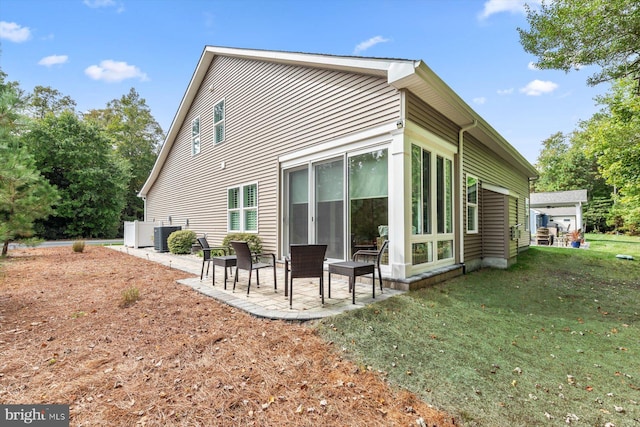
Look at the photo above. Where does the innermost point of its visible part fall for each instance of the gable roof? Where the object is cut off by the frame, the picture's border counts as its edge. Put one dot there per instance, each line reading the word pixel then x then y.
pixel 413 75
pixel 558 198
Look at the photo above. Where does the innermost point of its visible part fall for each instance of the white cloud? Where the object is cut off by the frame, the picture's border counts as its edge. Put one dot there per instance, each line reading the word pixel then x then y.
pixel 95 4
pixel 538 87
pixel 99 3
pixel 49 61
pixel 480 100
pixel 14 32
pixel 497 6
pixel 114 71
pixel 505 91
pixel 369 43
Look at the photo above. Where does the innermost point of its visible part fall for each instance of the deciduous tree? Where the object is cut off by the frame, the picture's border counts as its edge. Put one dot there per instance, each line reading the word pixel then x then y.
pixel 137 137
pixel 613 137
pixel 77 157
pixel 570 34
pixel 45 100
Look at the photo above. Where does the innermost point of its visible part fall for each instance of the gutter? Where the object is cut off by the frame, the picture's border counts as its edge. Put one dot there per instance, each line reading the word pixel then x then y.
pixel 462 184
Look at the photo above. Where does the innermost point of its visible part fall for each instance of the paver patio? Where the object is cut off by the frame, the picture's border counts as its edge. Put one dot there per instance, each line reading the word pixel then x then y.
pixel 263 301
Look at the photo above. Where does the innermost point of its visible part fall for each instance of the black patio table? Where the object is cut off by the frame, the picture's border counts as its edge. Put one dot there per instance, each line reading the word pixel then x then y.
pixel 223 261
pixel 353 269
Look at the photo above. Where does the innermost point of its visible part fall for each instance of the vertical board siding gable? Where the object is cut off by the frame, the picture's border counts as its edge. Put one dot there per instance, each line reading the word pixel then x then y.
pixel 494 225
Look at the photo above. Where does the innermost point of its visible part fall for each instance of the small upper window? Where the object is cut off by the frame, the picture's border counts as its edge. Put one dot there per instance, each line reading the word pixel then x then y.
pixel 218 122
pixel 472 204
pixel 195 136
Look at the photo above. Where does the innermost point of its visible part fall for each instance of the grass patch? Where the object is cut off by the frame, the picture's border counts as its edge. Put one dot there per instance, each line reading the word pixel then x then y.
pixel 555 337
pixel 78 246
pixel 614 244
pixel 129 297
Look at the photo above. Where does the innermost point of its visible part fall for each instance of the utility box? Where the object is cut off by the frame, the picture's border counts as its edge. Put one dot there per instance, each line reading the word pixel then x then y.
pixel 138 234
pixel 160 235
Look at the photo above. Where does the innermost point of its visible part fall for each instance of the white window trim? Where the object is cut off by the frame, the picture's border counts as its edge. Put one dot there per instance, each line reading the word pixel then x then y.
pixel 243 209
pixel 477 229
pixel 223 121
pixel 194 137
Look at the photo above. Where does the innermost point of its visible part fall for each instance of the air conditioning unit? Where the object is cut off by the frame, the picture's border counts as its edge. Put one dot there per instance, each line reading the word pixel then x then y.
pixel 160 235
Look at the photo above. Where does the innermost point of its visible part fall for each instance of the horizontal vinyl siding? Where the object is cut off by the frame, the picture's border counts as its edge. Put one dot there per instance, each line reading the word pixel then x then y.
pixel 429 118
pixel 490 169
pixel 271 109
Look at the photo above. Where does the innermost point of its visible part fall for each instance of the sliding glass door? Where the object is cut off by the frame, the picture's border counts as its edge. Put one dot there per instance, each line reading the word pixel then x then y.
pixel 341 202
pixel 329 206
pixel 298 209
pixel 368 200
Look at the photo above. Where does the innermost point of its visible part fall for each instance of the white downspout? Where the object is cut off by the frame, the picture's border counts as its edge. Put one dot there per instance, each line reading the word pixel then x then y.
pixel 462 185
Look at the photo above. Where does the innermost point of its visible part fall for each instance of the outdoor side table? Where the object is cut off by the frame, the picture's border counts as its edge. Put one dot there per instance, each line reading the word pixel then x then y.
pixel 353 269
pixel 225 262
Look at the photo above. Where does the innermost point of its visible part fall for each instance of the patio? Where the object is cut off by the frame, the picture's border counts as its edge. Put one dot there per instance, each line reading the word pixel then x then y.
pixel 263 301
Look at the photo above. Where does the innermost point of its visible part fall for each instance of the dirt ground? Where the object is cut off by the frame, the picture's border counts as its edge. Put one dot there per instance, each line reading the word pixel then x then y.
pixel 174 357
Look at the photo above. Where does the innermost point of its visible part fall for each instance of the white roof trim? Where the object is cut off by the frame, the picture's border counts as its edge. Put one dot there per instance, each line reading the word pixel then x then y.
pixel 496 189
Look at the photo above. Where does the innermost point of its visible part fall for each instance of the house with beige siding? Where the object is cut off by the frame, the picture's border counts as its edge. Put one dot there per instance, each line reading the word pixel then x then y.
pixel 342 150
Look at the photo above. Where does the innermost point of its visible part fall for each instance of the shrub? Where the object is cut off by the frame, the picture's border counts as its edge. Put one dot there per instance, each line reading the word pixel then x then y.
pixel 129 296
pixel 253 240
pixel 180 241
pixel 78 246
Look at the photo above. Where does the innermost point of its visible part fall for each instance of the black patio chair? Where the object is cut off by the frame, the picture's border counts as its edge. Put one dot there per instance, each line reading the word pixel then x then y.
pixel 306 261
pixel 370 253
pixel 206 253
pixel 246 260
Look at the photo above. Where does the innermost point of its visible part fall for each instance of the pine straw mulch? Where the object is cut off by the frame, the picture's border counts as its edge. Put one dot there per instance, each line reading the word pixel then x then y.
pixel 175 357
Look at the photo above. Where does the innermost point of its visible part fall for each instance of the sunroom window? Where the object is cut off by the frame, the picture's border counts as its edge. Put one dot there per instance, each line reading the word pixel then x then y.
pixel 420 190
pixel 218 122
pixel 444 194
pixel 431 206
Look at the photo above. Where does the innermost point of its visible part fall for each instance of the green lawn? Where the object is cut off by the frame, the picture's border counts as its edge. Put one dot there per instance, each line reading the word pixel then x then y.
pixel 554 338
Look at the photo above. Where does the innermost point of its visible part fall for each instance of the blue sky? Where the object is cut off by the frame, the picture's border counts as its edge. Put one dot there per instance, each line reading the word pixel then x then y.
pixel 96 50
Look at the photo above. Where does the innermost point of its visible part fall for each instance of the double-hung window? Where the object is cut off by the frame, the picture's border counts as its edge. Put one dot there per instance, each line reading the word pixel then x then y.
pixel 472 204
pixel 195 136
pixel 218 122
pixel 242 206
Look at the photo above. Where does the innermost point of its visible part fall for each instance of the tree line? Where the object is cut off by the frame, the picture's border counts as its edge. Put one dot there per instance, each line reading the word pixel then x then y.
pixel 65 174
pixel 603 154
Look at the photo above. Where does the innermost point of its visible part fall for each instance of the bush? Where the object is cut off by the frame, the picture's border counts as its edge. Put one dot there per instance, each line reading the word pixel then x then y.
pixel 254 241
pixel 180 241
pixel 78 246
